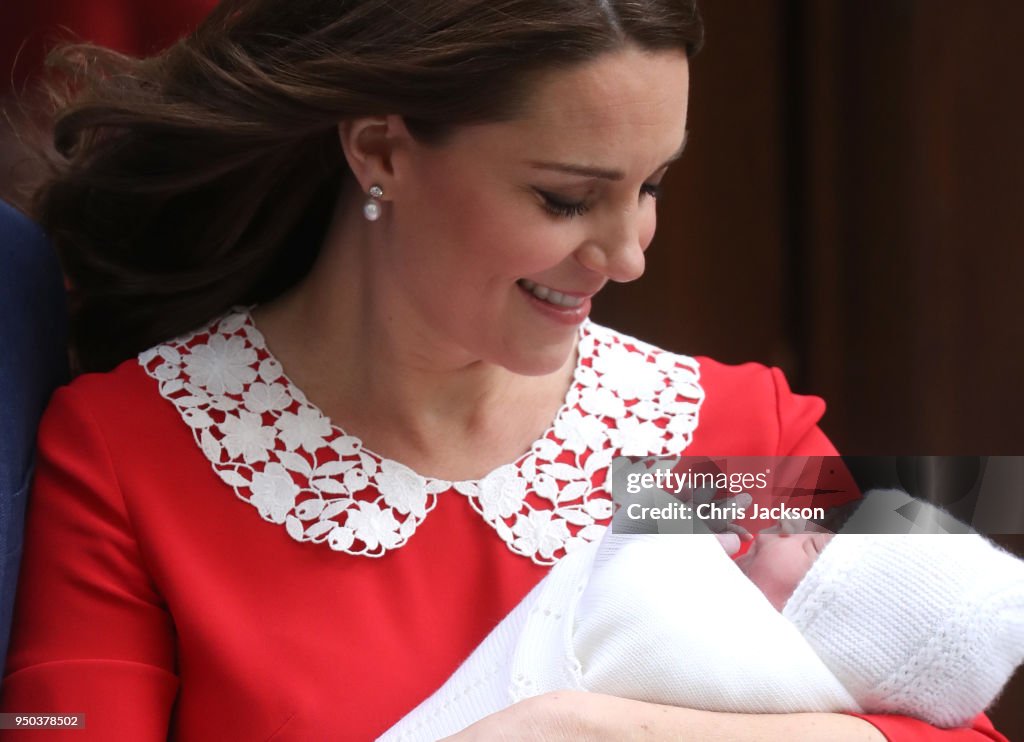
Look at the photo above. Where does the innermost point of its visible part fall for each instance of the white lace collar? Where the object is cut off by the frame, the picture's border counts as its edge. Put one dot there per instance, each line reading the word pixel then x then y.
pixel 283 456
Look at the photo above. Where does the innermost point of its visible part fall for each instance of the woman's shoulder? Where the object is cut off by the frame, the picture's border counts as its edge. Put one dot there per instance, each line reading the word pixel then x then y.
pixel 161 405
pixel 139 385
pixel 745 409
pixel 126 404
pixel 125 384
pixel 119 413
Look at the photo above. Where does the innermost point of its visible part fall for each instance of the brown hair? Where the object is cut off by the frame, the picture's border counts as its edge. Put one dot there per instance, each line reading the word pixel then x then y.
pixel 205 176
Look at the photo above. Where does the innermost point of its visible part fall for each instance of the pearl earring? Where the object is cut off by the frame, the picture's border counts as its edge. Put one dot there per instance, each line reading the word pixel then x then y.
pixel 371 209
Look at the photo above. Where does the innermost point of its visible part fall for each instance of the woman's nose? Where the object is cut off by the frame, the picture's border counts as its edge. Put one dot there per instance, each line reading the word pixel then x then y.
pixel 617 254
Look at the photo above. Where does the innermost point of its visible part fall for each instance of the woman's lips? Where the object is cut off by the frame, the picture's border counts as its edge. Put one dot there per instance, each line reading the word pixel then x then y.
pixel 553 296
pixel 568 308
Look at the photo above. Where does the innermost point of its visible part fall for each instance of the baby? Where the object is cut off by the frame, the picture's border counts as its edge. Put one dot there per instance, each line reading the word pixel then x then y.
pixel 930 626
pixel 926 625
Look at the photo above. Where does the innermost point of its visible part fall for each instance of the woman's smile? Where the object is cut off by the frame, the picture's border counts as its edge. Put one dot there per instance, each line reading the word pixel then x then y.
pixel 563 307
pixel 546 293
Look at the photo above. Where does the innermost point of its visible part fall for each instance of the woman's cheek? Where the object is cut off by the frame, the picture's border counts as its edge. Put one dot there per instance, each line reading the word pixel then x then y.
pixel 545 242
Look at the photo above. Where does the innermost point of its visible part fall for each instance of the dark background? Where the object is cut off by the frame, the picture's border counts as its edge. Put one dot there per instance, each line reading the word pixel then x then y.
pixel 850 208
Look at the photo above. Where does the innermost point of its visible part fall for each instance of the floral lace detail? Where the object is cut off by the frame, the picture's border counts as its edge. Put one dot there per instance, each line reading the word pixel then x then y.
pixel 283 456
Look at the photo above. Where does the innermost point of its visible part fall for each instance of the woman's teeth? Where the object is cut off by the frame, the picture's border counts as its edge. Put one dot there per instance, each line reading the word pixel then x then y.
pixel 550 295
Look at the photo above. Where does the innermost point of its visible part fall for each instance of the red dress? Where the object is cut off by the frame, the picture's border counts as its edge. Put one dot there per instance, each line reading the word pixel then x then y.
pixel 207 557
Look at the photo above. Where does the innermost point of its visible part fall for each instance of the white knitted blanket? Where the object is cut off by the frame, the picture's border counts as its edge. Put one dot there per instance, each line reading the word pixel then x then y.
pixel 665 619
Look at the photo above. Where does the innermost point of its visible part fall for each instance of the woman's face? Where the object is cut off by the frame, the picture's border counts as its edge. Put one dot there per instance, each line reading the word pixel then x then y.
pixel 501 236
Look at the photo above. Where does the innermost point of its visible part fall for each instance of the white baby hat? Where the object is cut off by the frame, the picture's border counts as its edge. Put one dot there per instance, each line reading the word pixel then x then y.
pixel 926 625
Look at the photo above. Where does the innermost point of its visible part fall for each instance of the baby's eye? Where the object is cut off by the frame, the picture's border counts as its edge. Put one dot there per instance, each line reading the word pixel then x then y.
pixel 562 207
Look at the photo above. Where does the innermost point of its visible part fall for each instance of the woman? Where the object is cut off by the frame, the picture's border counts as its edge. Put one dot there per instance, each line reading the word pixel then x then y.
pixel 463 177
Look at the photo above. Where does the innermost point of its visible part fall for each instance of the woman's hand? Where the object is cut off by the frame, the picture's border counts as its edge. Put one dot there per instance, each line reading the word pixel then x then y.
pixel 570 716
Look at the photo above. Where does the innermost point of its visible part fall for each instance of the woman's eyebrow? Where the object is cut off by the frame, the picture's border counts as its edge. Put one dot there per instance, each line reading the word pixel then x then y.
pixel 600 172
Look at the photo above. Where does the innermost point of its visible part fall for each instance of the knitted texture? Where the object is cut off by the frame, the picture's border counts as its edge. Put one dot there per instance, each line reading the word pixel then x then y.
pixel 671 619
pixel 664 619
pixel 926 625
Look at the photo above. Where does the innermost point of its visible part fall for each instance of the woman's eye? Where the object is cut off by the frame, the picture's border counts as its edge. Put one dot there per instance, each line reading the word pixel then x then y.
pixel 650 189
pixel 561 207
pixel 566 208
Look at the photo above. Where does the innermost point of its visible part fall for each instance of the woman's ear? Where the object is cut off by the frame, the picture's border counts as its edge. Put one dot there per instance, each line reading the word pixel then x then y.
pixel 370 144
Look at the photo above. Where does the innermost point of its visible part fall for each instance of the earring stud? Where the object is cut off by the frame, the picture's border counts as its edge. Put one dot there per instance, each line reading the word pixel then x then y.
pixel 372 207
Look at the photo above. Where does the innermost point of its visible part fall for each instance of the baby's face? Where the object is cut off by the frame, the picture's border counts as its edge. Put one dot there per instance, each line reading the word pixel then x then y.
pixel 777 562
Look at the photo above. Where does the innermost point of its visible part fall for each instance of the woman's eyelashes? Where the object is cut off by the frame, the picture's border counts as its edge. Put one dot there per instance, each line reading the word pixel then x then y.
pixel 651 189
pixel 568 208
pixel 562 207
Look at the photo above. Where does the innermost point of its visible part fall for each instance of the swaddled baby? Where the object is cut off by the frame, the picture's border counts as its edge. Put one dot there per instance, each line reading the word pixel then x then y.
pixel 930 626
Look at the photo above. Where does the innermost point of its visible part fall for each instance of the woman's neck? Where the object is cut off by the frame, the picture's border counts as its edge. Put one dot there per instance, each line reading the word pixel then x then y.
pixel 373 367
